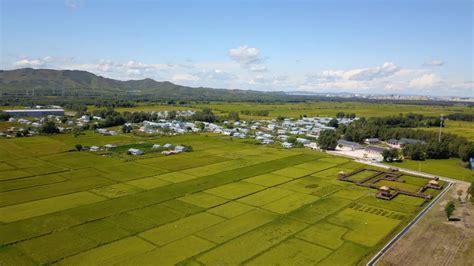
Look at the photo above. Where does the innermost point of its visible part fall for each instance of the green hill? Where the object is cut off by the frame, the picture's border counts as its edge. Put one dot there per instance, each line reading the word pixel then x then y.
pixel 48 82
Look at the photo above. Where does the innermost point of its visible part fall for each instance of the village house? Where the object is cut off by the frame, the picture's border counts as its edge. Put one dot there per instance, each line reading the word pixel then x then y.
pixel 134 151
pixel 371 141
pixel 287 145
pixel 374 149
pixel 349 144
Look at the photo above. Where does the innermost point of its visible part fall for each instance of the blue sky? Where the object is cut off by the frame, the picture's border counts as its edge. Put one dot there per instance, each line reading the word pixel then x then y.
pixel 367 46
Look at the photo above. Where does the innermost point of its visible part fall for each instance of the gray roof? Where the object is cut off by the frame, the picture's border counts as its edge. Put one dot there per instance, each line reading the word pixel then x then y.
pixel 348 143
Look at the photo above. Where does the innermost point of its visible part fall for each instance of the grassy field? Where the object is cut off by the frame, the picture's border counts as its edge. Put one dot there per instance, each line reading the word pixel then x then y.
pixel 453 168
pixel 67 207
pixel 309 109
pixel 461 128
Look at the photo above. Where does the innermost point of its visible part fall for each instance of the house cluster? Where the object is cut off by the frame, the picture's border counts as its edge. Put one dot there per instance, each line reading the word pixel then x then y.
pixel 270 131
pixel 170 126
pixel 29 127
pixel 166 149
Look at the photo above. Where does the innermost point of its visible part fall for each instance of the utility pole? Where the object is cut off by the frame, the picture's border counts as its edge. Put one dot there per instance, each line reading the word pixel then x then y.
pixel 440 126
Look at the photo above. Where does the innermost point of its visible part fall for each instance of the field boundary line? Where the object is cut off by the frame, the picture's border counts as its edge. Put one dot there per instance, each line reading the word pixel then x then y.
pixel 413 222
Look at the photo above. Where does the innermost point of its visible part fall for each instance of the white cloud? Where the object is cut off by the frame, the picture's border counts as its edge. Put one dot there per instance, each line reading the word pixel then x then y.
pixel 248 58
pixel 362 74
pixel 258 68
pixel 216 75
pixel 33 63
pixel 258 79
pixel 434 63
pixel 245 55
pixel 74 4
pixel 425 81
pixel 185 77
pixel 387 69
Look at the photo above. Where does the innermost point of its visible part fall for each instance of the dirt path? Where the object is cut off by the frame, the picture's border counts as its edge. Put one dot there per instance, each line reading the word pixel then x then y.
pixel 434 241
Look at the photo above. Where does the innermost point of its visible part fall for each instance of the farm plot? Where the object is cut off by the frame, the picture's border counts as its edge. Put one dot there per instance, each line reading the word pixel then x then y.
pixel 201 207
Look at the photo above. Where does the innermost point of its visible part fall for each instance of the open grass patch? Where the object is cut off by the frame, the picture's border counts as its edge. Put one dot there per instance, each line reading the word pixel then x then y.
pixel 202 199
pixel 365 228
pixel 175 177
pixel 148 183
pixel 129 171
pixel 111 253
pixel 324 234
pixel 236 226
pixel 53 247
pixel 266 196
pixel 292 252
pixel 51 190
pixel 116 190
pixel 39 207
pixel 30 182
pixel 350 193
pixel 235 190
pixel 10 255
pixel 293 172
pixel 231 209
pixel 290 202
pixel 172 253
pixel 77 160
pixel 319 210
pixel 238 250
pixel 348 254
pixel 173 231
pixel 268 179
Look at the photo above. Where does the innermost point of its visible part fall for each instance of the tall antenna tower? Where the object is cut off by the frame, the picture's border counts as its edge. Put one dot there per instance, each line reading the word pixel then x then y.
pixel 440 127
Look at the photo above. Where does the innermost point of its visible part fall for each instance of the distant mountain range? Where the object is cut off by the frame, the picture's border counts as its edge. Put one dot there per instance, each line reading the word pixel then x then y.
pixel 49 82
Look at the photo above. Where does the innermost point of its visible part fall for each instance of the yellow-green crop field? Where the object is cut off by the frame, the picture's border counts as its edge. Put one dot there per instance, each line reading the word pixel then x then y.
pixel 228 202
pixel 323 108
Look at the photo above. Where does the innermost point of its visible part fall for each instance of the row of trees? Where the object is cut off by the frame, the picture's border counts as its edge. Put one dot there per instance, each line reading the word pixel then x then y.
pixel 461 117
pixel 345 115
pixel 449 146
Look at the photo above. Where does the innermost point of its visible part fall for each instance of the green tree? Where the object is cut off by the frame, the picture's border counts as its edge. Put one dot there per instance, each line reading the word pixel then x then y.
pixel 328 139
pixel 126 128
pixel 78 147
pixel 234 116
pixel 466 151
pixel 333 123
pixel 4 116
pixel 49 127
pixel 171 114
pixel 280 118
pixel 449 209
pixel 390 155
pixel 340 115
pixel 206 115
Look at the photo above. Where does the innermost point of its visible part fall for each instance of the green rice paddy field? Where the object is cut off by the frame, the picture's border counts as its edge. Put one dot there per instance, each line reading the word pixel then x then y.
pixel 228 202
